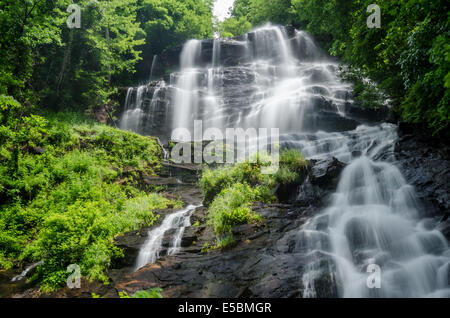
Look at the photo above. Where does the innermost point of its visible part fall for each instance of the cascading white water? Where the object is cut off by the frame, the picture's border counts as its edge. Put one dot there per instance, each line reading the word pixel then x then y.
pixel 195 96
pixel 26 271
pixel 151 110
pixel 216 53
pixel 126 110
pixel 187 85
pixel 133 114
pixel 374 218
pixel 287 84
pixel 152 248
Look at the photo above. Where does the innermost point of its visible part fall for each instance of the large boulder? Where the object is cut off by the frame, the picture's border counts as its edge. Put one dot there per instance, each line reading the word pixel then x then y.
pixel 325 173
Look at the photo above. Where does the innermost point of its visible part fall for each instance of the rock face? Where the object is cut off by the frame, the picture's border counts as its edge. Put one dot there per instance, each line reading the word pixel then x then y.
pixel 322 179
pixel 425 163
pixel 260 265
pixel 325 173
pixel 317 179
pixel 264 261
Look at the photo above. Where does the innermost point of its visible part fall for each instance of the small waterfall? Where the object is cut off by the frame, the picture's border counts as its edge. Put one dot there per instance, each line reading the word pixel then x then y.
pixel 155 60
pixel 152 248
pixel 126 110
pixel 133 113
pixel 269 42
pixel 305 48
pixel 26 271
pixel 216 53
pixel 151 111
pixel 187 85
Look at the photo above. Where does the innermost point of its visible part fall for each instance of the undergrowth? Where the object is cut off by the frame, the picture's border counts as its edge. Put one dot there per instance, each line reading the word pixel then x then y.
pixel 68 187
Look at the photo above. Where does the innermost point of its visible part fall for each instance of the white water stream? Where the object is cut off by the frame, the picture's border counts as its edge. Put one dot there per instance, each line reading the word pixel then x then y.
pixel 153 247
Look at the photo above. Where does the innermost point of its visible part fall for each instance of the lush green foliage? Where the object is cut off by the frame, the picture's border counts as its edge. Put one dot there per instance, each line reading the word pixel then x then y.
pixel 214 181
pixel 232 207
pixel 408 57
pixel 67 188
pixel 262 11
pixel 41 59
pixel 230 191
pixel 233 27
pixel 168 23
pixel 150 293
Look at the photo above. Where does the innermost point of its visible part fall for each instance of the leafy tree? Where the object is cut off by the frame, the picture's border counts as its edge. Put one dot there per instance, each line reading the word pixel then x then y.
pixel 169 23
pixel 24 27
pixel 234 27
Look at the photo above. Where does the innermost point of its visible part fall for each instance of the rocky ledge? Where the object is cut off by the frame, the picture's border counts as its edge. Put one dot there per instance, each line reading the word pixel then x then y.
pixel 264 261
pixel 425 163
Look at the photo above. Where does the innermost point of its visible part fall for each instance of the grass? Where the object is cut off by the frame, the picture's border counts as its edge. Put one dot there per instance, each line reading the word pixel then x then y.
pixel 231 191
pixel 150 293
pixel 67 204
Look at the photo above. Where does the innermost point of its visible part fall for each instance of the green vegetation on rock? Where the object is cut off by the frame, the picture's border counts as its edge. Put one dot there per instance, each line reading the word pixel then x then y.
pixel 230 191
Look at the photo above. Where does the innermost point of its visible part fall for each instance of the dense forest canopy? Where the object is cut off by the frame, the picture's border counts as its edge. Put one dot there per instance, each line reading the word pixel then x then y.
pixel 43 62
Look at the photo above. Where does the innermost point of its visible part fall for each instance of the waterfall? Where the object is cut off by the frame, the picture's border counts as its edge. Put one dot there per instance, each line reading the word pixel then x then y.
pixel 126 109
pixel 187 85
pixel 155 60
pixel 274 77
pixel 153 107
pixel 26 271
pixel 216 53
pixel 133 114
pixel 153 247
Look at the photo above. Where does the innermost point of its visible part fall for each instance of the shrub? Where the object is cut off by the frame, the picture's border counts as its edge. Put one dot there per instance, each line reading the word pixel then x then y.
pixel 225 242
pixel 232 207
pixel 230 191
pixel 213 181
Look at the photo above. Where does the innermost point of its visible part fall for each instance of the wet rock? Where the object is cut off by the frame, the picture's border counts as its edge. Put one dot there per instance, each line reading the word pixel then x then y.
pixel 308 194
pixel 130 243
pixel 356 111
pixel 425 164
pixel 325 173
pixel 254 267
pixel 190 236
